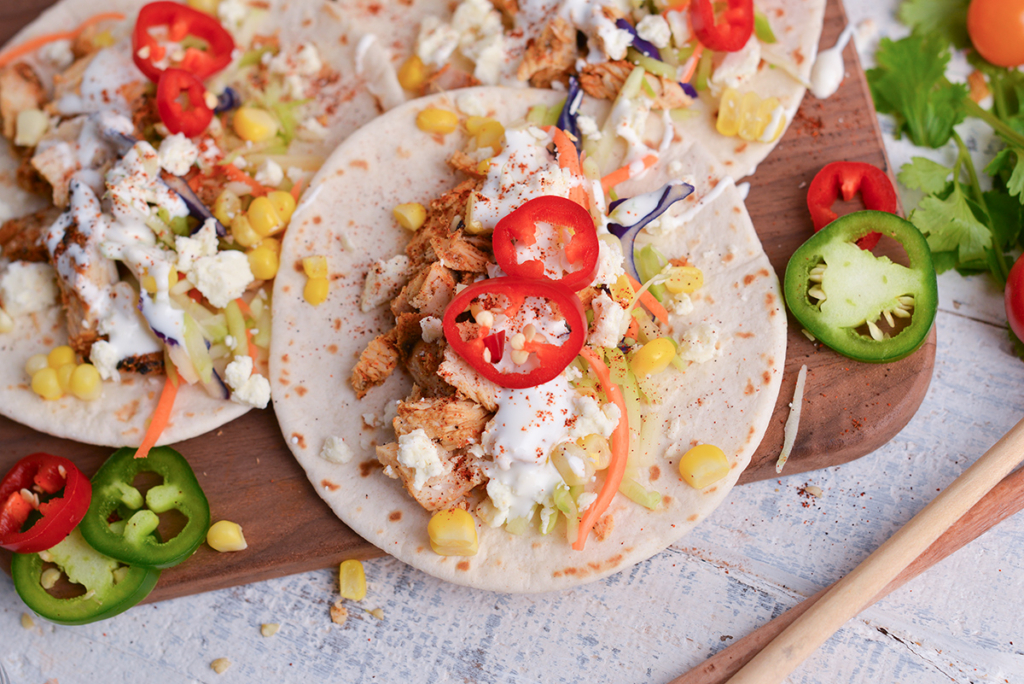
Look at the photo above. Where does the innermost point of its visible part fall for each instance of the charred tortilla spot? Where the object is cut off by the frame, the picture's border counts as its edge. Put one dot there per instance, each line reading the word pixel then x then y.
pixel 798 56
pixel 128 411
pixel 740 148
pixel 301 391
pixel 283 381
pixel 317 220
pixel 284 358
pixel 337 324
pixel 737 210
pixel 713 489
pixel 366 468
pixel 286 288
pixel 767 377
pixel 299 439
pixel 745 335
pixel 332 349
pixel 728 257
pixel 603 527
pixel 655 473
pixel 667 500
pixel 708 299
pixel 395 516
pixel 463 566
pixel 749 389
pixel 359 164
pixel 692 518
pixel 327 484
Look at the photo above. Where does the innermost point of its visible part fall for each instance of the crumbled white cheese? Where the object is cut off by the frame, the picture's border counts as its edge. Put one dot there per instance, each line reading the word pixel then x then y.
pixel 222 277
pixel 202 244
pixel 312 130
pixel 588 127
pixel 232 12
pixel 304 62
pixel 614 40
pixel 609 263
pixel 680 26
pixel 104 358
pixel 682 305
pixel 585 501
pixel 384 281
pixel 593 418
pixel 248 388
pixel 270 174
pixel 27 287
pixel 736 67
pixel 502 498
pixel 698 343
pixel 336 451
pixel 58 53
pixel 654 29
pixel 610 322
pixel 177 154
pixel 431 329
pixel 470 104
pixel 418 452
pixel 239 162
pixel 436 42
pixel 297 175
pixel 371 420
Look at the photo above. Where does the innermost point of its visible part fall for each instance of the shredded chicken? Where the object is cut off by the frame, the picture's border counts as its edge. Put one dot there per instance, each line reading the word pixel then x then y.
pixel 605 79
pixel 551 57
pixel 20 90
pixel 22 239
pixel 470 384
pixel 452 423
pixel 377 362
pixel 460 161
pixel 441 491
pixel 458 253
pixel 446 210
pixel 431 289
pixel 422 363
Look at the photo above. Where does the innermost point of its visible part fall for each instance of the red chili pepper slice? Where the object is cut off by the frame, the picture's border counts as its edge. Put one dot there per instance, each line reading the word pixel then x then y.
pixel 495 345
pixel 181 102
pixel 729 35
pixel 41 474
pixel 507 296
pixel 520 227
pixel 850 177
pixel 180 21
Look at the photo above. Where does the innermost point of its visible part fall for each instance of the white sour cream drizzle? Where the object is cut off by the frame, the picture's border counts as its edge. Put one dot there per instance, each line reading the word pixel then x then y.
pixel 103 83
pixel 828 70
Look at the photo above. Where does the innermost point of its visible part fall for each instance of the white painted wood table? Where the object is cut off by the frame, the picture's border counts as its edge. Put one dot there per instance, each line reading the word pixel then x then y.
pixel 769 546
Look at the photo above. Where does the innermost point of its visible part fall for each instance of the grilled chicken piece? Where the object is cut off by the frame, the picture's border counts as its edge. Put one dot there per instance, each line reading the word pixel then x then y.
pixel 431 289
pixel 20 90
pixel 443 217
pixel 470 384
pixel 605 79
pixel 377 362
pixel 68 81
pixel 669 93
pixel 82 271
pixel 551 57
pixel 452 423
pixel 422 363
pixel 23 238
pixel 460 161
pixel 143 364
pixel 510 8
pixel 458 253
pixel 441 491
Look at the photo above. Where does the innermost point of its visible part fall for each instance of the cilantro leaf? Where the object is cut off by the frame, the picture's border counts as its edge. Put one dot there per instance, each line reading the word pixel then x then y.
pixel 924 174
pixel 950 224
pixel 943 261
pixel 945 17
pixel 1016 183
pixel 909 82
pixel 1007 217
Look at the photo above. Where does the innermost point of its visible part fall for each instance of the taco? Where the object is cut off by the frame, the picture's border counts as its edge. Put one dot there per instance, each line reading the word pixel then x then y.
pixel 733 82
pixel 127 241
pixel 399 404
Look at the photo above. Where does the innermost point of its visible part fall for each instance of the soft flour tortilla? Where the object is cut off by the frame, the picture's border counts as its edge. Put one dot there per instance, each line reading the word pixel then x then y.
pixel 346 216
pixel 120 416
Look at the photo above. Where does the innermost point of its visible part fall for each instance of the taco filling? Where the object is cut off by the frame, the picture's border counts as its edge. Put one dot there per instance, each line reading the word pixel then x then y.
pixel 537 323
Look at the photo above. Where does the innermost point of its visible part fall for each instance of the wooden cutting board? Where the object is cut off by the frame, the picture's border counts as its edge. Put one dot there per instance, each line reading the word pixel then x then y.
pixel 849 410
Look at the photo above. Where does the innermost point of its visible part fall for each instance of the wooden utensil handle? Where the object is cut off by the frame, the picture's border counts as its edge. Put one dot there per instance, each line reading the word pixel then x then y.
pixel 1005 499
pixel 849 596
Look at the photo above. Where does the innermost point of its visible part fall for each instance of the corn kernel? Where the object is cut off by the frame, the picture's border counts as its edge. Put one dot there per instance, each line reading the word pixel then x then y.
pixel 484 166
pixel 255 125
pixel 284 204
pixel 315 291
pixel 315 266
pixel 453 533
pixel 263 262
pixel 269 629
pixel 85 382
pixel 58 356
pixel 27 622
pixel 220 665
pixel 475 123
pixel 225 535
pixel 242 231
pixel 434 120
pixel 571 462
pixel 207 6
pixel 6 322
pixel 622 291
pixel 703 465
pixel 46 384
pixel 686 279
pixel 491 134
pixel 653 357
pixel 597 450
pixel 352 580
pixel 410 216
pixel 226 207
pixel 64 376
pixel 149 282
pixel 30 126
pixel 749 122
pixel 728 122
pixel 272 244
pixel 412 74
pixel 36 363
pixel 263 217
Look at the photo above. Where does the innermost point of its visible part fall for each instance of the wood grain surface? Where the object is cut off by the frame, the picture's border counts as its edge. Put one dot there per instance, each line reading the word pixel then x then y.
pixel 850 408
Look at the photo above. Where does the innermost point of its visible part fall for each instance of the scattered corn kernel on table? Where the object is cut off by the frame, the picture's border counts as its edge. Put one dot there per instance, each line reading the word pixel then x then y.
pixel 770 545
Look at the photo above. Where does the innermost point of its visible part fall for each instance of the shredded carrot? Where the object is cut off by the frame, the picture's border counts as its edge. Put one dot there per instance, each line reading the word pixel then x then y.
pixel 569 158
pixel 33 44
pixel 160 418
pixel 254 352
pixel 620 450
pixel 649 302
pixel 297 190
pixel 195 181
pixel 236 174
pixel 692 63
pixel 244 307
pixel 634 327
pixel 676 7
pixel 624 173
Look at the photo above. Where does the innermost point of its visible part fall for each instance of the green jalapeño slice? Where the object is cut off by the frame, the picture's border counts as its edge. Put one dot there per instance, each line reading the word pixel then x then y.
pixel 863 306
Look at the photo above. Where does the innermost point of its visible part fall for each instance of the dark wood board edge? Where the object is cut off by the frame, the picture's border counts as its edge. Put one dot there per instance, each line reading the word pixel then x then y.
pixel 313 538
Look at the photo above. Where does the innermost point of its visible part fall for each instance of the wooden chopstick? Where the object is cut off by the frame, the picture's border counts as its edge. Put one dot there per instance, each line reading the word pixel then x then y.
pixel 852 593
pixel 1005 500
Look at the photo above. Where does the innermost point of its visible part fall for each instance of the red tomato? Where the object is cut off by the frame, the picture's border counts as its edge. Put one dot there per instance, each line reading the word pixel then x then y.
pixel 996 28
pixel 1013 298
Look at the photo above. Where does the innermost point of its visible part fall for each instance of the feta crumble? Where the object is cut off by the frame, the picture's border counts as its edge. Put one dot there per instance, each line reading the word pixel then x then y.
pixel 177 154
pixel 336 451
pixel 251 389
pixel 190 249
pixel 104 358
pixel 431 329
pixel 610 322
pixel 585 501
pixel 222 277
pixel 270 174
pixel 654 29
pixel 27 287
pixel 698 343
pixel 418 452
